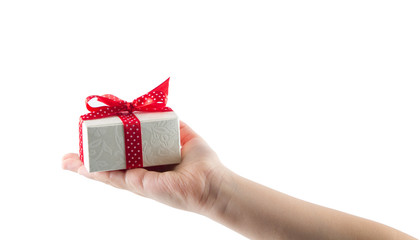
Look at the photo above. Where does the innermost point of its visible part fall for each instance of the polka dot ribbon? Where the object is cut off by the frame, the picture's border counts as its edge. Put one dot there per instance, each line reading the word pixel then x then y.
pixel 153 101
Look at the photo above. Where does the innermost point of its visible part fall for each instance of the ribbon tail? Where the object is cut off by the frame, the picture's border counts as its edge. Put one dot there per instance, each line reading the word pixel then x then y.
pixel 164 87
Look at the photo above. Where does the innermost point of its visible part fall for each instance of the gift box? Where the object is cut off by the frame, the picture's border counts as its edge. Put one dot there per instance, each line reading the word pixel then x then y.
pixel 125 135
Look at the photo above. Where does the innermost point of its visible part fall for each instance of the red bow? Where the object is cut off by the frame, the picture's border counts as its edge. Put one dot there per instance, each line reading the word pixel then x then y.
pixel 153 101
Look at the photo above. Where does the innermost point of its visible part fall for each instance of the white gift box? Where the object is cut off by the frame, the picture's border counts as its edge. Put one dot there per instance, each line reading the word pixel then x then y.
pixel 104 147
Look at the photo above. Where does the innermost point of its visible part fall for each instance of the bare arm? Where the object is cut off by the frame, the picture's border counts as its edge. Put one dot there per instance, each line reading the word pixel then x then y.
pixel 259 212
pixel 201 184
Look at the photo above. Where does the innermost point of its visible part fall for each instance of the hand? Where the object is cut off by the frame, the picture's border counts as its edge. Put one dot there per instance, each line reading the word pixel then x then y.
pixel 191 185
pixel 200 183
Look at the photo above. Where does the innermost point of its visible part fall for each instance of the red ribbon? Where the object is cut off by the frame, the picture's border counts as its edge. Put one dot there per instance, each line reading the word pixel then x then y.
pixel 153 101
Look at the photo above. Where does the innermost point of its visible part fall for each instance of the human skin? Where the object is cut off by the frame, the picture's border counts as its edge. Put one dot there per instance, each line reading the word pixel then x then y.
pixel 201 184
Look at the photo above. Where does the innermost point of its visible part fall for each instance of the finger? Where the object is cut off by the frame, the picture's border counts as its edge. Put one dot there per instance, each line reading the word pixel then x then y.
pixel 71 162
pixel 135 179
pixel 131 180
pixel 113 178
pixel 186 133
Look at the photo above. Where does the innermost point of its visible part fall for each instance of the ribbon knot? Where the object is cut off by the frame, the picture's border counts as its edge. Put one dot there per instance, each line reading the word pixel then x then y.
pixel 130 107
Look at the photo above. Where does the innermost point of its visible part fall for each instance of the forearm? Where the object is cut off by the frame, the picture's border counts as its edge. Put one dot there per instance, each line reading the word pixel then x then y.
pixel 258 212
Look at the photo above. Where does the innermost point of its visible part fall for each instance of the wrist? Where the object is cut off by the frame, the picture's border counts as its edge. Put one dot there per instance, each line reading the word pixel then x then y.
pixel 221 189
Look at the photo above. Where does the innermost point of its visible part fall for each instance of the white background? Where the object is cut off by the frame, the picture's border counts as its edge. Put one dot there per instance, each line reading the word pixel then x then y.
pixel 316 99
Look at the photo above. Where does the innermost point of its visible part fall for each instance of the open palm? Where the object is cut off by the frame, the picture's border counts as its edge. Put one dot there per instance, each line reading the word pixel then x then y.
pixel 186 186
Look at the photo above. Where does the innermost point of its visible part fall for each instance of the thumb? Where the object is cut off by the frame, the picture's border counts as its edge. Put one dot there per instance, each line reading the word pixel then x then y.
pixel 186 133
